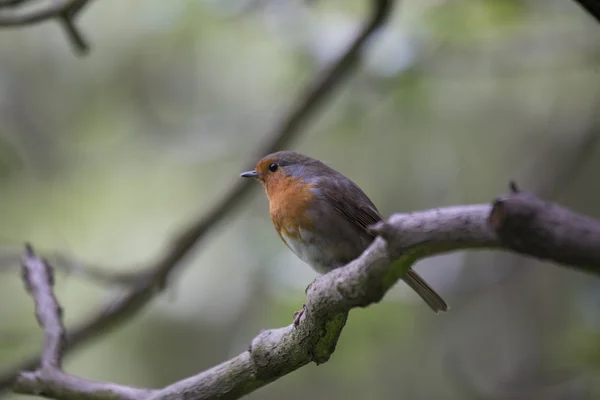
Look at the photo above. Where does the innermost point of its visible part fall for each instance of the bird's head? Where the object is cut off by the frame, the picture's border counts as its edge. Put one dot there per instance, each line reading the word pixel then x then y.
pixel 284 167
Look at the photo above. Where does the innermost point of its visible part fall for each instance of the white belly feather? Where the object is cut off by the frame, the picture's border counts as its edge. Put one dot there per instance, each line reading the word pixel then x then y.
pixel 307 250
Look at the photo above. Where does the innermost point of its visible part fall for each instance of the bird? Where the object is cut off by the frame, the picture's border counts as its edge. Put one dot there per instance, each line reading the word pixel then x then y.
pixel 322 216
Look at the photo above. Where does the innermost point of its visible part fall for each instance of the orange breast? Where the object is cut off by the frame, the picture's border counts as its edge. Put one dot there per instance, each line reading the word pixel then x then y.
pixel 289 200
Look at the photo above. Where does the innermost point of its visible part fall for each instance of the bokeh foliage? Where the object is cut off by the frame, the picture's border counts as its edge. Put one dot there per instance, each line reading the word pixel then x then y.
pixel 103 157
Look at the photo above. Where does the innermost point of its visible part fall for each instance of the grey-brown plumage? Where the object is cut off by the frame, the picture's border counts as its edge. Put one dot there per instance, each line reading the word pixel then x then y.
pixel 322 216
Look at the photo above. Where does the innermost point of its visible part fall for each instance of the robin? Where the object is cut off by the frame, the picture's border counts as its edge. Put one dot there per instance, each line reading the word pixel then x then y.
pixel 322 216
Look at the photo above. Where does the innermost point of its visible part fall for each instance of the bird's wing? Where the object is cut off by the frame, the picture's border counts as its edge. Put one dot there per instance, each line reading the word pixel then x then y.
pixel 348 199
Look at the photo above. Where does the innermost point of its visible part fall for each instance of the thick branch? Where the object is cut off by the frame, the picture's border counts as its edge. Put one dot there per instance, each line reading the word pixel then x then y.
pixel 529 225
pixel 404 239
pixel 154 277
pixel 518 221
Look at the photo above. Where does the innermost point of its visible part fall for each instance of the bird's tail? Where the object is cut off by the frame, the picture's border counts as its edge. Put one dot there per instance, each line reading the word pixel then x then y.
pixel 432 299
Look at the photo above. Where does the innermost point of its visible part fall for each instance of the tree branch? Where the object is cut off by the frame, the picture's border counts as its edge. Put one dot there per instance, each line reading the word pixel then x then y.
pixel 515 222
pixel 404 239
pixel 49 379
pixel 529 225
pixel 67 264
pixel 39 280
pixel 154 277
pixel 65 11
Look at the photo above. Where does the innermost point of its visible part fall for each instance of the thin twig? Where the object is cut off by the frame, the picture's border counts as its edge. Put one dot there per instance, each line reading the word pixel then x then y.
pixel 54 9
pixel 61 262
pixel 65 11
pixel 39 281
pixel 49 379
pixel 12 3
pixel 74 35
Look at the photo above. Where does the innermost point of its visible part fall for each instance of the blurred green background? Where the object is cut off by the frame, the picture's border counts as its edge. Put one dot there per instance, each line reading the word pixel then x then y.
pixel 105 157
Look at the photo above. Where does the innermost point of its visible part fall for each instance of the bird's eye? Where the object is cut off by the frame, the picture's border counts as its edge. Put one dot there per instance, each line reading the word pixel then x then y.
pixel 273 167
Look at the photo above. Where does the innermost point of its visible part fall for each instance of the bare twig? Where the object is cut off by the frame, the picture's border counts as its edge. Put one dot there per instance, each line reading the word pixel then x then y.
pixel 51 10
pixel 154 277
pixel 49 379
pixel 74 35
pixel 65 11
pixel 62 262
pixel 39 280
pixel 93 273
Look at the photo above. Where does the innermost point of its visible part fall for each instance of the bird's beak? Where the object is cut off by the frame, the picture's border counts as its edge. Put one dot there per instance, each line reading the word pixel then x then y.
pixel 249 174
